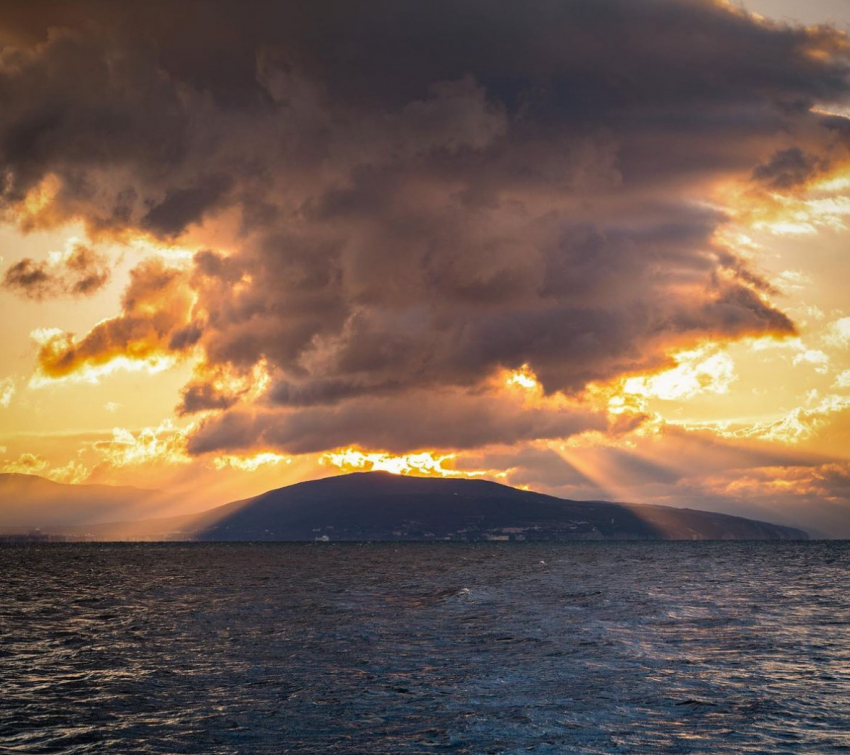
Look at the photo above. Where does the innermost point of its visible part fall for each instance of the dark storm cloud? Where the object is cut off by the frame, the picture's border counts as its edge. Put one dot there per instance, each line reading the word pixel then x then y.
pixel 201 397
pixel 427 192
pixel 789 168
pixel 81 272
pixel 419 420
pixel 184 206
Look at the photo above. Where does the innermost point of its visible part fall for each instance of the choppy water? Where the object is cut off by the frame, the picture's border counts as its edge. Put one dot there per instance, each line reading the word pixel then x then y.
pixel 510 648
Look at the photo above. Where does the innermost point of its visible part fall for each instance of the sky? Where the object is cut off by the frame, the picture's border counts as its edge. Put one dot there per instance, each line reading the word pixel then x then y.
pixel 597 250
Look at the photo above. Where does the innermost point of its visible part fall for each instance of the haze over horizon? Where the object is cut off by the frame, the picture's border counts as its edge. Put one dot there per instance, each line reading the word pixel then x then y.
pixel 597 250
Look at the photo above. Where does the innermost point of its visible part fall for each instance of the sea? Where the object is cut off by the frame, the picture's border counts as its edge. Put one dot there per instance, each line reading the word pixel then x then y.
pixel 580 647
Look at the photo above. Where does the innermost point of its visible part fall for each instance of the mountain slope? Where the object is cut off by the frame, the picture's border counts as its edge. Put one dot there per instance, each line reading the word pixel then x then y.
pixel 30 501
pixel 363 506
pixel 381 506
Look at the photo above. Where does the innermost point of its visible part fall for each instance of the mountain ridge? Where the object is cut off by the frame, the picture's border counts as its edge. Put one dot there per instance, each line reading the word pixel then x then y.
pixel 375 506
pixel 368 506
pixel 379 505
pixel 32 501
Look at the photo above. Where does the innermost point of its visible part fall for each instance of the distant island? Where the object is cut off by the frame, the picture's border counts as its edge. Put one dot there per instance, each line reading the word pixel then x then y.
pixel 378 506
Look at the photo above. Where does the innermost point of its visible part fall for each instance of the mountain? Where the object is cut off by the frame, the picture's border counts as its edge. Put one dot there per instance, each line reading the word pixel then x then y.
pixel 30 501
pixel 382 506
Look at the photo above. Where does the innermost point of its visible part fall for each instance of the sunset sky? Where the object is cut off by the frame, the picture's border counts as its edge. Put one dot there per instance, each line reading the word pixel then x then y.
pixel 595 248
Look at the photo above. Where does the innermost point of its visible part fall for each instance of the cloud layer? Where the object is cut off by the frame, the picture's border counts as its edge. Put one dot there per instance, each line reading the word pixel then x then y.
pixel 424 195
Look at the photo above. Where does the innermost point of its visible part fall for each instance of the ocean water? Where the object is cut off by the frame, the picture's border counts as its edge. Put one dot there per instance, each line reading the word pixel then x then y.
pixel 407 648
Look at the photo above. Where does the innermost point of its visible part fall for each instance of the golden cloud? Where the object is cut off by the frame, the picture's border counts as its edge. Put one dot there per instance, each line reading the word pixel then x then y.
pixel 154 328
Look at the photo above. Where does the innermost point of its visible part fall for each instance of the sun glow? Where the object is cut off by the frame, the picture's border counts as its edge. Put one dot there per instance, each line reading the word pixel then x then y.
pixel 426 463
pixel 523 378
pixel 702 370
pixel 820 202
pixel 250 463
pixel 35 209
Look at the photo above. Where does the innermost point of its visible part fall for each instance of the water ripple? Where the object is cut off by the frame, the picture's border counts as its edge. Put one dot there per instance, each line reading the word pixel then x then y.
pixel 510 648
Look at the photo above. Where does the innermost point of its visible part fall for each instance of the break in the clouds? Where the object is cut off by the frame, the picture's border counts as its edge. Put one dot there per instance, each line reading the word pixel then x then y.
pixel 425 194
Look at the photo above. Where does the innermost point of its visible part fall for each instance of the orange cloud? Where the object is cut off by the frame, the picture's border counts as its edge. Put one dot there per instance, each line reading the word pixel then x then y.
pixel 26 463
pixel 163 444
pixel 156 323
